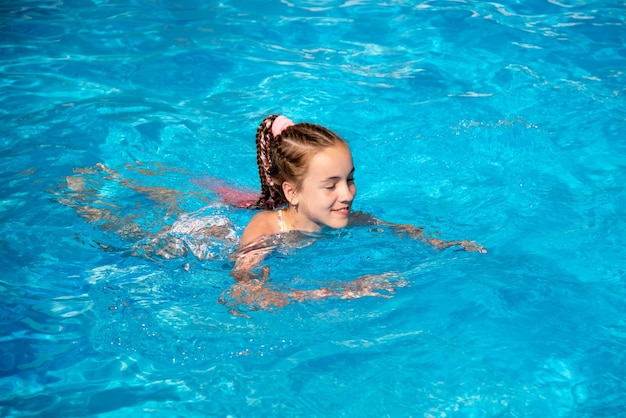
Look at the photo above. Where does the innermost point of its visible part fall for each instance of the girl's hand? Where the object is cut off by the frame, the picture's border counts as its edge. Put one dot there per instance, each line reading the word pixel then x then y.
pixel 378 285
pixel 256 295
pixel 418 233
pixel 472 246
pixel 466 245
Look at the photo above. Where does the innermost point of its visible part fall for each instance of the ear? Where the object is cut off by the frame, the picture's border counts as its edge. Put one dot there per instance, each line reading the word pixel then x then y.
pixel 290 193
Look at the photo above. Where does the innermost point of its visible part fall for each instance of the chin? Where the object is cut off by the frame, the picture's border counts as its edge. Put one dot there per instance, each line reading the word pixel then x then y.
pixel 340 224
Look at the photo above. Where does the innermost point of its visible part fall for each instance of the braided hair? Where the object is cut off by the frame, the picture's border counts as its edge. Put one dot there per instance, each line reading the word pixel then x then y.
pixel 286 157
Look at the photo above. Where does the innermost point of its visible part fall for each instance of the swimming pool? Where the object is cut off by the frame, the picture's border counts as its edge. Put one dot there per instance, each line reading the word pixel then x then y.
pixel 498 122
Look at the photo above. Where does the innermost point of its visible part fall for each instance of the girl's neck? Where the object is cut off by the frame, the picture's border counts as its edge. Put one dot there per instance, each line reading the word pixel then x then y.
pixel 293 221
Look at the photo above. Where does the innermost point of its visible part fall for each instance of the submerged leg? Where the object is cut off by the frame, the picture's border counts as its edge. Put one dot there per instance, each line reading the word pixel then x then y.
pixel 82 193
pixel 201 234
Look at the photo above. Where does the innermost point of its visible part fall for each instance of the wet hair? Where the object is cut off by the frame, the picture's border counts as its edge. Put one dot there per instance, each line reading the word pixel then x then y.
pixel 286 157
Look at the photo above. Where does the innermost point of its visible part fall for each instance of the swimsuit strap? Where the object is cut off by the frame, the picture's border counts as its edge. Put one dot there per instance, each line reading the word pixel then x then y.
pixel 281 223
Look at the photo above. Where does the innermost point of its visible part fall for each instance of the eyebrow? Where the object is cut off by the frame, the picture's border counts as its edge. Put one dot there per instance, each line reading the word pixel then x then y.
pixel 329 179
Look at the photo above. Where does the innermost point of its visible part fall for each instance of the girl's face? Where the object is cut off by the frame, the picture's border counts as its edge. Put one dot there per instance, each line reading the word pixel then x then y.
pixel 327 191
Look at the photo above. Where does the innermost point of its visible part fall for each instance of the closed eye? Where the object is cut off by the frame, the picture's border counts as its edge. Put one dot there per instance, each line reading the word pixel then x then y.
pixel 331 183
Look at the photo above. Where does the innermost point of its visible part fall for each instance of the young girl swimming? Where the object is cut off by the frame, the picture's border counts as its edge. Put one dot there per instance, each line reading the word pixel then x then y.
pixel 307 187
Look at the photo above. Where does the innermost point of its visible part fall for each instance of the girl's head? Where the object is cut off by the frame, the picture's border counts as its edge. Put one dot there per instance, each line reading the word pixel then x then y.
pixel 284 153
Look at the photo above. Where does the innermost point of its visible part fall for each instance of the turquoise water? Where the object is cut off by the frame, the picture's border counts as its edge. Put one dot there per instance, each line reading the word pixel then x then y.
pixel 500 123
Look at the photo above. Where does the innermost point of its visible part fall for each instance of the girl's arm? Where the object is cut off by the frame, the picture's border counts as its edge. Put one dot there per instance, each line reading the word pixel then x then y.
pixel 361 219
pixel 254 289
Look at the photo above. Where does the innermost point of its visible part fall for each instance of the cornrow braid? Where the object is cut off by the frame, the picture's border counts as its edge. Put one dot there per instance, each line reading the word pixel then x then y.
pixel 286 157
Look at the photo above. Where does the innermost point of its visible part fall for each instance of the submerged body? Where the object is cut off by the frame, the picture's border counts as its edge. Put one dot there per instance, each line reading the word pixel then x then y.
pixel 307 186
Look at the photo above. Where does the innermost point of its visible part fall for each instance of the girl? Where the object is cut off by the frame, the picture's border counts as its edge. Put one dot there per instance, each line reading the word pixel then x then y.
pixel 307 185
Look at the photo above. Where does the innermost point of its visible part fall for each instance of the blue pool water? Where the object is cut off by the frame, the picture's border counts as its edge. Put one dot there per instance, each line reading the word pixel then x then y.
pixel 503 123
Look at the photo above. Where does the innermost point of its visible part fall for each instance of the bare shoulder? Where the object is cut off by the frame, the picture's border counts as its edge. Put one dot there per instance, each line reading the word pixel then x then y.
pixel 263 223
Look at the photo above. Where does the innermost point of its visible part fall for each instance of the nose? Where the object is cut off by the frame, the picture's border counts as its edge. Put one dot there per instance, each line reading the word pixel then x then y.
pixel 348 191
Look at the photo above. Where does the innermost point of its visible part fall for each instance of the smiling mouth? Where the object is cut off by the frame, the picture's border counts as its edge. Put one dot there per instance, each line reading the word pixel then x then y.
pixel 345 209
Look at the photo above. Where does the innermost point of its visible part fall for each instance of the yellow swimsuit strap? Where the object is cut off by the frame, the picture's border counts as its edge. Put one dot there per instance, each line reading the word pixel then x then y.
pixel 281 223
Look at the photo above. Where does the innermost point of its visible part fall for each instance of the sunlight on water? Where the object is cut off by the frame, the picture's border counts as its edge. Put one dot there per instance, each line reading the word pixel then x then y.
pixel 501 123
